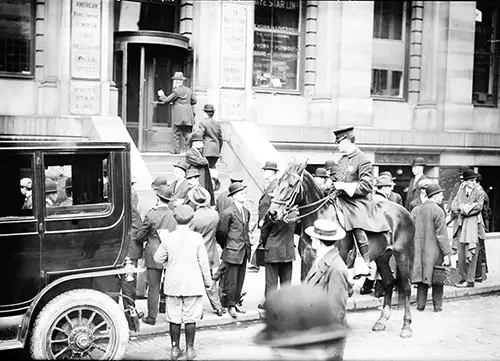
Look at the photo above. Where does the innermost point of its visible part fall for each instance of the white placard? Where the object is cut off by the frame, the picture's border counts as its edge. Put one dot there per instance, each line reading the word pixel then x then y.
pixel 233 47
pixel 232 104
pixel 85 98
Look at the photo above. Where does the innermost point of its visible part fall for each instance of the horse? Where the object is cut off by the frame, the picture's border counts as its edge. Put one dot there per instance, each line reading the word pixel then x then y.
pixel 298 193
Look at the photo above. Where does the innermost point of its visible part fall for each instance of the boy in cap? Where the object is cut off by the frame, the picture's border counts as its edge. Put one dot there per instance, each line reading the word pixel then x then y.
pixel 417 168
pixel 182 100
pixel 188 272
pixel 430 246
pixel 158 218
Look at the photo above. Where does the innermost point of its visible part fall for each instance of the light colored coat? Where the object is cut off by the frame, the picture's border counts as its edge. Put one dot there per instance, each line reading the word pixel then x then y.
pixel 187 269
pixel 469 225
pixel 205 222
pixel 431 241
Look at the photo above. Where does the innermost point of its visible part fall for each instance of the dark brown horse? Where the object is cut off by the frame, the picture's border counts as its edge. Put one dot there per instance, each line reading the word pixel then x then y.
pixel 297 190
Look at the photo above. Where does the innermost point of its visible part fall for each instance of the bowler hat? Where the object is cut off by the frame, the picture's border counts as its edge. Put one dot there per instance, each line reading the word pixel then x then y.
pixel 326 230
pixel 50 186
pixel 191 173
pixel 271 165
pixel 178 75
pixel 180 164
pixel 384 180
pixel 235 188
pixel 208 108
pixel 298 315
pixel 164 192
pixel 432 189
pixel 26 182
pixel 343 133
pixel 418 161
pixel 69 183
pixel 195 137
pixel 321 173
pixel 469 174
pixel 236 177
pixel 183 214
pixel 199 196
pixel 158 181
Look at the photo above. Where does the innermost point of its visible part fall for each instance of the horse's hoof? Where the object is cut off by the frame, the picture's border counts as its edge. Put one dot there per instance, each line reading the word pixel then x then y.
pixel 378 326
pixel 406 333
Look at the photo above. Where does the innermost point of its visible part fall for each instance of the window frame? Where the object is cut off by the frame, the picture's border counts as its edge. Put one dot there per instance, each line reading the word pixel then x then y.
pixel 300 51
pixel 31 75
pixel 494 55
pixel 405 39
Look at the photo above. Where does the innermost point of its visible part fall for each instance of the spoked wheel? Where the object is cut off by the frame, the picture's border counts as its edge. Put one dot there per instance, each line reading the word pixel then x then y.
pixel 80 324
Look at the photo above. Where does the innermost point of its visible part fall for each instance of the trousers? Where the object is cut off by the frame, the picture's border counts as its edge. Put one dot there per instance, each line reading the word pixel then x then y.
pixel 154 284
pixel 481 259
pixel 437 296
pixel 129 288
pixel 277 272
pixel 467 270
pixel 181 130
pixel 233 279
pixel 213 295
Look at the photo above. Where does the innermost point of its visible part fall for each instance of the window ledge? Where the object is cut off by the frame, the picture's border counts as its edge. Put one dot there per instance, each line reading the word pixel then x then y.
pixel 482 105
pixel 390 99
pixel 16 75
pixel 275 91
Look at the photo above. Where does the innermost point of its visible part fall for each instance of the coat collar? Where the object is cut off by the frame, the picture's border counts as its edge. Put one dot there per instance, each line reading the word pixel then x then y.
pixel 238 213
pixel 322 267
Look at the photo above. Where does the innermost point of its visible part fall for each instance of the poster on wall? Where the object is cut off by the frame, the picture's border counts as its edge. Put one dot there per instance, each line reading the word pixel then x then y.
pixel 232 104
pixel 86 39
pixel 233 54
pixel 85 98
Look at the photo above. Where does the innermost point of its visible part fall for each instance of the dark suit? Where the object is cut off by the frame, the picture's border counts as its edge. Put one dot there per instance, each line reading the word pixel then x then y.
pixel 223 201
pixel 233 236
pixel 265 199
pixel 179 191
pixel 195 159
pixel 413 191
pixel 157 218
pixel 212 140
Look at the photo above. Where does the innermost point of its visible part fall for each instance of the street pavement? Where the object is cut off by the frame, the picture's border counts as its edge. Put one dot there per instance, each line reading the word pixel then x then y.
pixel 466 329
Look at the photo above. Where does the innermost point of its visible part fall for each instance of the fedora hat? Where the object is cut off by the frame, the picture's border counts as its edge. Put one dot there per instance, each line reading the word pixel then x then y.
pixel 432 189
pixel 180 164
pixel 199 196
pixel 158 181
pixel 193 172
pixel 320 172
pixel 271 165
pixel 424 183
pixel 164 192
pixel 50 186
pixel 208 108
pixel 195 137
pixel 298 315
pixel 418 161
pixel 343 133
pixel 384 180
pixel 326 230
pixel 183 214
pixel 386 173
pixel 235 188
pixel 469 174
pixel 178 75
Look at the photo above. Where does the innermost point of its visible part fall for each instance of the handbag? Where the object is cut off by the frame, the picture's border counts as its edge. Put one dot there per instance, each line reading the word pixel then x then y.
pixel 440 274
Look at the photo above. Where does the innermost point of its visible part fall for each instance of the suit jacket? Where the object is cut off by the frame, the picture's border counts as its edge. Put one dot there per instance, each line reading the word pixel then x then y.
pixel 330 274
pixel 212 137
pixel 431 241
pixel 157 218
pixel 187 270
pixel 135 248
pixel 205 221
pixel 223 201
pixel 195 159
pixel 233 235
pixel 277 238
pixel 182 99
pixel 469 224
pixel 178 192
pixel 413 191
pixel 265 199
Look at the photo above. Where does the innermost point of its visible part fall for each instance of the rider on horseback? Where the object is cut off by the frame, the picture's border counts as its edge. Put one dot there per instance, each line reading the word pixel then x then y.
pixel 354 181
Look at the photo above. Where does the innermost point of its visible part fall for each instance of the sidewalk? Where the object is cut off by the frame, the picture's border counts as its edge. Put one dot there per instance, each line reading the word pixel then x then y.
pixel 254 287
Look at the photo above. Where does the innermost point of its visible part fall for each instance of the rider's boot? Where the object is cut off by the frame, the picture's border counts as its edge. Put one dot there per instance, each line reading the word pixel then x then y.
pixel 363 245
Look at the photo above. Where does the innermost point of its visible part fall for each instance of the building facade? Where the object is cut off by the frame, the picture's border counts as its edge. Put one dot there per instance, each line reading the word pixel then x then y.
pixel 416 78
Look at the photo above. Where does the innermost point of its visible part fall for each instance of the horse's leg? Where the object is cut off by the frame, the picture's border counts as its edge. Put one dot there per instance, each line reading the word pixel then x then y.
pixel 404 291
pixel 388 283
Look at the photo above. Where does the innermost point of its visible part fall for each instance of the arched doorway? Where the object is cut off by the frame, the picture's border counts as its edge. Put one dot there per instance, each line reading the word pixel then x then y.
pixel 153 56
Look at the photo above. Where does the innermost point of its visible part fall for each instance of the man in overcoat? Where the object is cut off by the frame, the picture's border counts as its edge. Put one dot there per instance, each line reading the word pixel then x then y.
pixel 159 217
pixel 224 201
pixel 179 186
pixel 211 131
pixel 196 159
pixel 417 168
pixel 430 246
pixel 355 184
pixel 188 276
pixel 486 214
pixel 182 100
pixel 205 221
pixel 233 236
pixel 468 227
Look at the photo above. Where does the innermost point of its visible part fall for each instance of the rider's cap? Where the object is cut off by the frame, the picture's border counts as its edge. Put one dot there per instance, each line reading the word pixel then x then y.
pixel 343 133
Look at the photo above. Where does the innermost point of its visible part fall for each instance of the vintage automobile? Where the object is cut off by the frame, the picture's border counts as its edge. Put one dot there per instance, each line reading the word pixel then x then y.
pixel 63 246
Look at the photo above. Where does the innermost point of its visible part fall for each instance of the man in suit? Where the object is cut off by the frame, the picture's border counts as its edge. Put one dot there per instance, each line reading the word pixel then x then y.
pixel 182 100
pixel 224 201
pixel 159 217
pixel 233 236
pixel 385 187
pixel 355 186
pixel 422 195
pixel 211 132
pixel 412 192
pixel 188 277
pixel 195 159
pixel 179 186
pixel 205 222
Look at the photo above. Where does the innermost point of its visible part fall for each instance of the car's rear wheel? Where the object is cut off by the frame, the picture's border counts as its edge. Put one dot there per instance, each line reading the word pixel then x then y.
pixel 80 323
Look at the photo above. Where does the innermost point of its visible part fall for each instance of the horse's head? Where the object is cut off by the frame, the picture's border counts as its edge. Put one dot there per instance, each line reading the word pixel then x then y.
pixel 287 192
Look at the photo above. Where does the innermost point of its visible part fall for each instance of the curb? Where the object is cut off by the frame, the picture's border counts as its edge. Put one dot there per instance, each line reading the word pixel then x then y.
pixel 368 303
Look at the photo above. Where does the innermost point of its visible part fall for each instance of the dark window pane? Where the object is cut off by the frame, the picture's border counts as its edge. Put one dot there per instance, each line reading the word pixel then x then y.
pixel 263 15
pixel 397 78
pixel 286 15
pixel 388 20
pixel 159 17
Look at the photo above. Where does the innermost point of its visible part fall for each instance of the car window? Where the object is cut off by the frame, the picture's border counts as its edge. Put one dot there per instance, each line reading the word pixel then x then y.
pixel 76 184
pixel 16 184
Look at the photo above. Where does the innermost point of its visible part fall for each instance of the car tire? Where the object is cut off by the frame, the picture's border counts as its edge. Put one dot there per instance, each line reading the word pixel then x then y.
pixel 81 323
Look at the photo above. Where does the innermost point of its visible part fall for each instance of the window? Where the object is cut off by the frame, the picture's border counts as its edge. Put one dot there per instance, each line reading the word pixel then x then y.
pixel 484 81
pixel 16 37
pixel 157 15
pixel 276 44
pixel 390 19
pixel 76 184
pixel 17 184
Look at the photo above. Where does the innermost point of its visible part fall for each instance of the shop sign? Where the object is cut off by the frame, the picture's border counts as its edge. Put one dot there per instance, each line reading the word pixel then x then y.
pixel 85 98
pixel 232 104
pixel 233 54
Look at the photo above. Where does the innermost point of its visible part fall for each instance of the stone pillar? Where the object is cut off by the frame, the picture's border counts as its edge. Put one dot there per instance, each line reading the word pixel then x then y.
pixel 455 64
pixel 415 50
pixel 186 19
pixel 354 98
pixel 310 47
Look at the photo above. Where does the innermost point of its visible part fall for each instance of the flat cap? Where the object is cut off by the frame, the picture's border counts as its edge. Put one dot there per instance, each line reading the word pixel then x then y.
pixel 183 214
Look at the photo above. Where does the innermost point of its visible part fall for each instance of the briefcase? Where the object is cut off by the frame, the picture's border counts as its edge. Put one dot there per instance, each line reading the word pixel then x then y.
pixel 440 275
pixel 260 254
